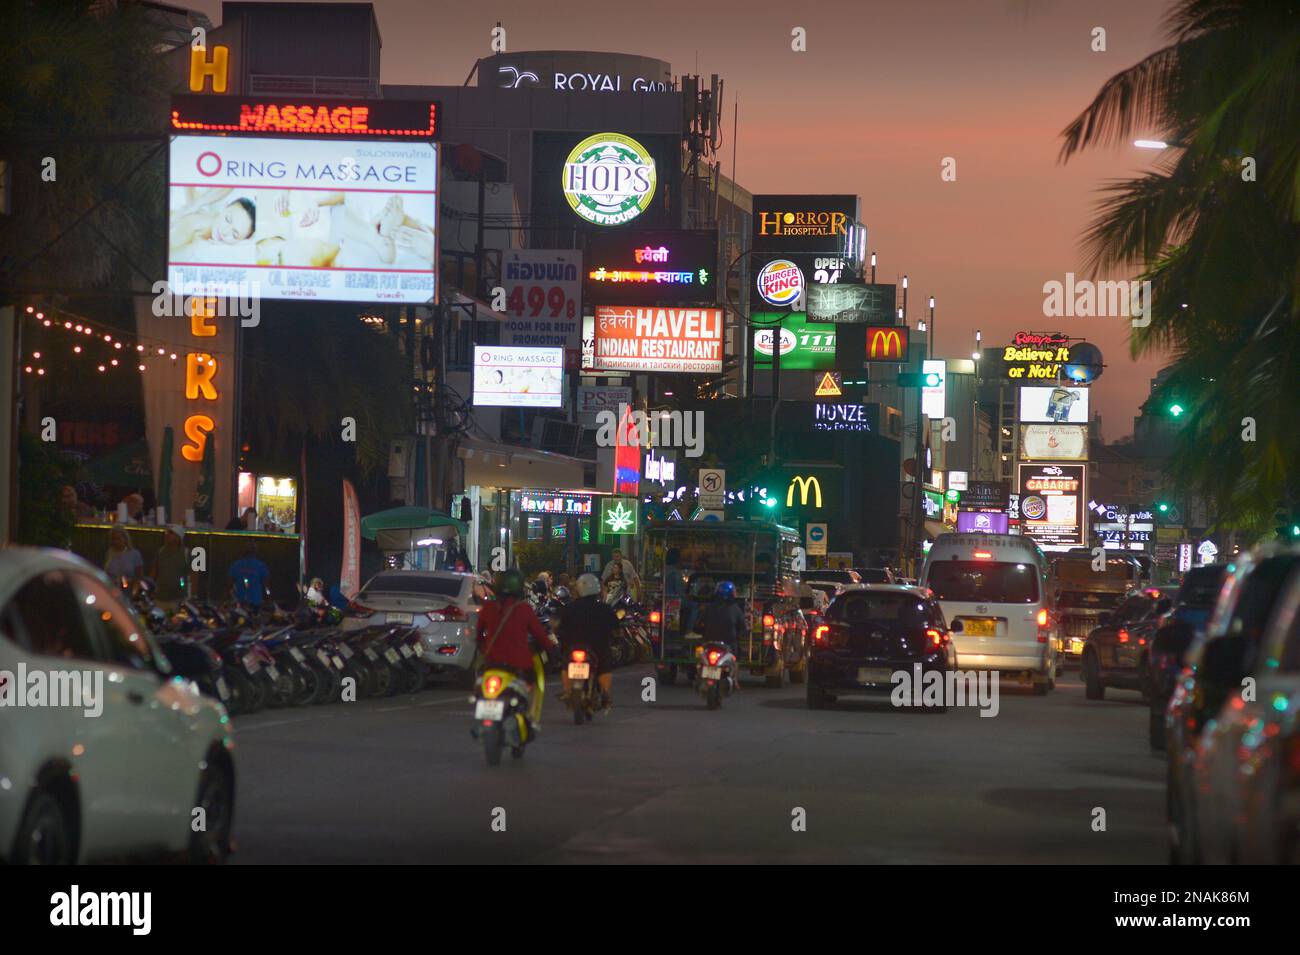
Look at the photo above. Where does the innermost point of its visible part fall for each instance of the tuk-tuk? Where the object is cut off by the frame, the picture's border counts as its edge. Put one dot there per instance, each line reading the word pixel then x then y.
pixel 682 562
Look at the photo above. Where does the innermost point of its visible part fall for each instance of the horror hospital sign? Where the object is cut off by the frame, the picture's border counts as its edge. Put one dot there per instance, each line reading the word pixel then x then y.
pixel 658 339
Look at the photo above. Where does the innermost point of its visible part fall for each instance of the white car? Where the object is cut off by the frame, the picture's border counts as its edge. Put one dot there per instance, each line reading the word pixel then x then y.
pixel 994 594
pixel 103 753
pixel 442 604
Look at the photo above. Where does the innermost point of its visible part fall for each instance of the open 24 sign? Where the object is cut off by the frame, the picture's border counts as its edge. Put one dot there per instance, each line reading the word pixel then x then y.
pixel 543 292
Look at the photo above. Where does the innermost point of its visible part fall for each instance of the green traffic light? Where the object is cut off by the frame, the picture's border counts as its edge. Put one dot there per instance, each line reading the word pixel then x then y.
pixel 1163 507
pixel 769 502
pixel 1175 409
pixel 932 380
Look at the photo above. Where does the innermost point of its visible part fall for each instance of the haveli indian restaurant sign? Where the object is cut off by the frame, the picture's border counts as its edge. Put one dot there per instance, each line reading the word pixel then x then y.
pixel 658 339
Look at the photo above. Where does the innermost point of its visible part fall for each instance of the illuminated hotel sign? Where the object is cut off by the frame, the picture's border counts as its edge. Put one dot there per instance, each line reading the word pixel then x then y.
pixel 886 343
pixel 609 179
pixel 204 69
pixel 1033 355
pixel 651 266
pixel 200 376
pixel 278 116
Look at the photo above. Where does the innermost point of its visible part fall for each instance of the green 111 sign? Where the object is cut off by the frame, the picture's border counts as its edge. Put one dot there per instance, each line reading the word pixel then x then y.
pixel 619 515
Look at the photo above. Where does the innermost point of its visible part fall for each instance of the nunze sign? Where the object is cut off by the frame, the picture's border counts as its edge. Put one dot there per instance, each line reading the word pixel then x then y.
pixel 659 339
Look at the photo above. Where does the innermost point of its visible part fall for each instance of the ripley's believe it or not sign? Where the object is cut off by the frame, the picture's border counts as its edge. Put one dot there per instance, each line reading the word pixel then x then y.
pixel 1034 355
pixel 609 179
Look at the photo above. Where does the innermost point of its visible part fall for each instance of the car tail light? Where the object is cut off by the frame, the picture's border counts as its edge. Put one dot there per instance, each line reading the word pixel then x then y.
pixel 492 685
pixel 934 637
pixel 357 610
pixel 983 554
pixel 822 635
pixel 447 650
pixel 714 656
pixel 1123 635
pixel 449 612
pixel 656 616
pixel 579 656
pixel 1043 617
pixel 769 621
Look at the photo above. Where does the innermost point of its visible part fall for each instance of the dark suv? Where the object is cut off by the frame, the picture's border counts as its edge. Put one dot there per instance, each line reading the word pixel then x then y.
pixel 1116 653
pixel 870 633
pixel 1216 664
pixel 1175 632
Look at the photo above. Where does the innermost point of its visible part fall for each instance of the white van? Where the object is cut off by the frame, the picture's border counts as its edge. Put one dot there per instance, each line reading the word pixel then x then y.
pixel 994 594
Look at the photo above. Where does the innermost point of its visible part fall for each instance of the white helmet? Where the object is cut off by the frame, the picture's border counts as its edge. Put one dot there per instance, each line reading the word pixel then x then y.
pixel 588 585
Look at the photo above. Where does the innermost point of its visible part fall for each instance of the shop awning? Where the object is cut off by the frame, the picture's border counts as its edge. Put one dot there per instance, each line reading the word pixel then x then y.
pixel 493 464
pixel 403 528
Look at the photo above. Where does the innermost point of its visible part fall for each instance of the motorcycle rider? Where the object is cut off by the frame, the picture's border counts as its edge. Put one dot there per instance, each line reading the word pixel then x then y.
pixel 504 626
pixel 589 621
pixel 723 620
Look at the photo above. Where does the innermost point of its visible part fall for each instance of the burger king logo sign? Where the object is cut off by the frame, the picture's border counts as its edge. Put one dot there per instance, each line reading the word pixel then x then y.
pixel 609 179
pixel 780 282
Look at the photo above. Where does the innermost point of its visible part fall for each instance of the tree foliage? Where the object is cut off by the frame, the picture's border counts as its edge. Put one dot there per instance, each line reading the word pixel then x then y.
pixel 1215 228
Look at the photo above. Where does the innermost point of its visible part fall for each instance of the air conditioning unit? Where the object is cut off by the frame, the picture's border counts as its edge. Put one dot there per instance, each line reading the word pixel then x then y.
pixel 893 423
pixel 558 437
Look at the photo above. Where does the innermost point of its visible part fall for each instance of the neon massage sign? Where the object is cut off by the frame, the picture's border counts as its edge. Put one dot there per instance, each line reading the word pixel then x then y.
pixel 269 116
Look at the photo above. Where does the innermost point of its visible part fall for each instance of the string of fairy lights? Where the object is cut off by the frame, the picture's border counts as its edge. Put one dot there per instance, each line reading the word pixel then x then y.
pixel 123 350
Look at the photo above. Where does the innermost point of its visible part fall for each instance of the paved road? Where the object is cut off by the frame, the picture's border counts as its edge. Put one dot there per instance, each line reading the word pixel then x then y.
pixel 401 780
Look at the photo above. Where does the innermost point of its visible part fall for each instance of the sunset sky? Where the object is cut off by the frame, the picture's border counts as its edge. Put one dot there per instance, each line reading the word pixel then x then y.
pixel 884 92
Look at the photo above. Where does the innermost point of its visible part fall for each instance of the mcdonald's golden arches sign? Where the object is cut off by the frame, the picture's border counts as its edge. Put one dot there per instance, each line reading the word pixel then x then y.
pixel 886 343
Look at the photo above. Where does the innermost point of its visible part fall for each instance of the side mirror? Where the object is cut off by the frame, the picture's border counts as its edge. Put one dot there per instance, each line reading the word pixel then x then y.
pixel 1223 660
pixel 956 627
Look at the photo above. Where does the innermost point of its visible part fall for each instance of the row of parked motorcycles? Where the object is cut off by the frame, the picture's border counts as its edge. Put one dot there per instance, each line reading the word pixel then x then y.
pixel 252 660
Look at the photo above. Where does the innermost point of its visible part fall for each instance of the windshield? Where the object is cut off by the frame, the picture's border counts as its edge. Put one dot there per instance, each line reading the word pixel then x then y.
pixel 1079 571
pixel 839 576
pixel 723 555
pixel 905 610
pixel 426 585
pixel 979 581
pixel 1084 600
pixel 1201 587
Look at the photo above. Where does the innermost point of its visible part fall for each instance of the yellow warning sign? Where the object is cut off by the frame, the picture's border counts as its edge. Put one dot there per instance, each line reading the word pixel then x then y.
pixel 830 386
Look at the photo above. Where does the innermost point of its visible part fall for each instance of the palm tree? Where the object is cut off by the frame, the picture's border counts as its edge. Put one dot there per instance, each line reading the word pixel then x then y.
pixel 309 369
pixel 1215 228
pixel 71 73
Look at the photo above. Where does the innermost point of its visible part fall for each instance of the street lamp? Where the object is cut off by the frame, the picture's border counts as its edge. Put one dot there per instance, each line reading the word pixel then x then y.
pixel 873 268
pixel 1150 144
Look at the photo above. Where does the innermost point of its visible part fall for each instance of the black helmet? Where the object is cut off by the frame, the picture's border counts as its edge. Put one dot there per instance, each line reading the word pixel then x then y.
pixel 509 583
